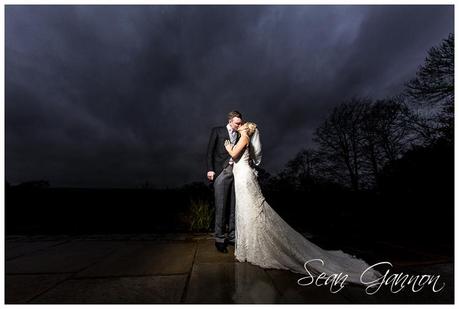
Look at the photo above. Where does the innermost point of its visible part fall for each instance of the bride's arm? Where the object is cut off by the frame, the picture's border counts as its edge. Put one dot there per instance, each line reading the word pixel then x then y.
pixel 235 151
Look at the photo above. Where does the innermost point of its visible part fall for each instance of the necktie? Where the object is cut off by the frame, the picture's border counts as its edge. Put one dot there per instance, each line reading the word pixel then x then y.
pixel 233 136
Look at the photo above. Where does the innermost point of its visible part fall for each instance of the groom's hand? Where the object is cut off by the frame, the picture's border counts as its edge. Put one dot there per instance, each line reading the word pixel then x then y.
pixel 210 175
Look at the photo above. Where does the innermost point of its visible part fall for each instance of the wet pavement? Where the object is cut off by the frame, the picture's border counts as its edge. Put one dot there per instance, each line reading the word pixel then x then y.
pixel 186 268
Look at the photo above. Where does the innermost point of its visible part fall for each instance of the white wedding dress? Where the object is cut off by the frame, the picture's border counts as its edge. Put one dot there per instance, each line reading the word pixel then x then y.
pixel 264 239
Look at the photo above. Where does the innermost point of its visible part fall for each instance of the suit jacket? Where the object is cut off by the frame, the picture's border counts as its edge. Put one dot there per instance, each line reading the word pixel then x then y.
pixel 217 156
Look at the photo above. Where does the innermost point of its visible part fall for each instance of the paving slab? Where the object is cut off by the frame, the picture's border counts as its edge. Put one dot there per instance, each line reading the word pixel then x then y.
pixel 233 283
pixel 19 289
pixel 114 237
pixel 69 257
pixel 20 248
pixel 117 290
pixel 38 237
pixel 293 293
pixel 208 253
pixel 144 258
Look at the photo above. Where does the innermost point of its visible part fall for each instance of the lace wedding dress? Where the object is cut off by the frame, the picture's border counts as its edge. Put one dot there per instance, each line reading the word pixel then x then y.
pixel 263 238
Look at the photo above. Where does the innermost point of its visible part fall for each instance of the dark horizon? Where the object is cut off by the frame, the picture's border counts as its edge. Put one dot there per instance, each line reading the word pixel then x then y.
pixel 114 96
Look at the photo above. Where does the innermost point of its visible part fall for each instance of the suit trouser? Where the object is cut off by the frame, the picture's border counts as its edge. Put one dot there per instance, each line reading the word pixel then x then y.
pixel 224 197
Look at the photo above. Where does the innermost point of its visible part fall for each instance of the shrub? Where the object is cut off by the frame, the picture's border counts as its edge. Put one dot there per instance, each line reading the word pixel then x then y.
pixel 201 214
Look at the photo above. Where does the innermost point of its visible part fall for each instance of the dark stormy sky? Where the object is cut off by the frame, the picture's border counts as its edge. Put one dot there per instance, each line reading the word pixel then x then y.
pixel 113 96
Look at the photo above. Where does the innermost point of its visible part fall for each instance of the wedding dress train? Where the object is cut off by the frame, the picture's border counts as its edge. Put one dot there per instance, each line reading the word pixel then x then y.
pixel 264 239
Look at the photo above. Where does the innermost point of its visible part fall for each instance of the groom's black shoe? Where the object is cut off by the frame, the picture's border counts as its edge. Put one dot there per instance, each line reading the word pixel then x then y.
pixel 230 242
pixel 221 247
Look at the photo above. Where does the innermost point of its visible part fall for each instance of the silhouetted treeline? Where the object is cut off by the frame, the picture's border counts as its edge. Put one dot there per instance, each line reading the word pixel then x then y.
pixel 34 208
pixel 381 168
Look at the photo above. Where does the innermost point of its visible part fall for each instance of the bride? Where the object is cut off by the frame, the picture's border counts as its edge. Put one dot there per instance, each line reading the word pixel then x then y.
pixel 264 239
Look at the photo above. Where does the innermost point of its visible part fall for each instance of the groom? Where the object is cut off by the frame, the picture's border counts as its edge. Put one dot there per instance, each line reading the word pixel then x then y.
pixel 220 171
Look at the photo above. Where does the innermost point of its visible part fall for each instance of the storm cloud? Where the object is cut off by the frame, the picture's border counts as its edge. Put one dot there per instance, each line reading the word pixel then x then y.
pixel 113 96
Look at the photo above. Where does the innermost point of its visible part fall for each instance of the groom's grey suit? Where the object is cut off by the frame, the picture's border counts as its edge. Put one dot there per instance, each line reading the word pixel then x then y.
pixel 218 160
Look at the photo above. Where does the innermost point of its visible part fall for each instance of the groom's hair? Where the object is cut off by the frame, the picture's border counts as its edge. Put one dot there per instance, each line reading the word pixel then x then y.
pixel 233 114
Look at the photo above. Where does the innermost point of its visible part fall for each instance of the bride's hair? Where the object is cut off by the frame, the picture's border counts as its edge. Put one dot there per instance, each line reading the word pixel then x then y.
pixel 252 127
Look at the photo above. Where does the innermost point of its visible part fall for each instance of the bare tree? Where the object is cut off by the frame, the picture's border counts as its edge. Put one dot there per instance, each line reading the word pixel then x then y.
pixel 424 127
pixel 360 137
pixel 302 169
pixel 340 139
pixel 433 87
pixel 386 134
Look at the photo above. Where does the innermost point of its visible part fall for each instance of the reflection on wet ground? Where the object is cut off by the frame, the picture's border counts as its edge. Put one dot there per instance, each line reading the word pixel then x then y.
pixel 186 268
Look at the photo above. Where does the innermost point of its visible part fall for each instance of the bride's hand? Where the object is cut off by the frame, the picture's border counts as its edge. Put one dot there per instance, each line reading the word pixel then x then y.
pixel 228 145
